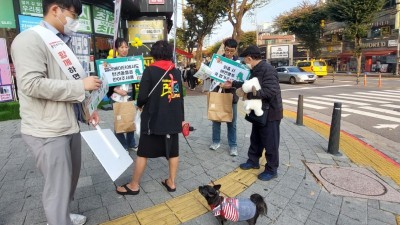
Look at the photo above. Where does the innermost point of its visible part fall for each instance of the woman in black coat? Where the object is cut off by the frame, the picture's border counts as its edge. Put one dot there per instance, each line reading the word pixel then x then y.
pixel 161 101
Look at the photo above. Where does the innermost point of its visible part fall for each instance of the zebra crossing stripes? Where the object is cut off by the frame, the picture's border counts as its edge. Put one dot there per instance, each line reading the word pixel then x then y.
pixel 358 99
pixel 304 104
pixel 372 97
pixel 376 94
pixel 319 102
pixel 387 111
pixel 391 106
pixel 343 101
pixel 385 92
pixel 374 115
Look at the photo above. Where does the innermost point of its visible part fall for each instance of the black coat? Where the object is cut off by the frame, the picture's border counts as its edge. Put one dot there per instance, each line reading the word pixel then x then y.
pixel 270 92
pixel 162 113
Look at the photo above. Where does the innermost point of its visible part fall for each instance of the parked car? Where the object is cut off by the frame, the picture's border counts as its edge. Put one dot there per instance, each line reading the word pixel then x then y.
pixel 318 67
pixel 294 74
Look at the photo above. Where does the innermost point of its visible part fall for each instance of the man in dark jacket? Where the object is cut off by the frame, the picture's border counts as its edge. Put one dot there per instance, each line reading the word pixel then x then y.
pixel 266 136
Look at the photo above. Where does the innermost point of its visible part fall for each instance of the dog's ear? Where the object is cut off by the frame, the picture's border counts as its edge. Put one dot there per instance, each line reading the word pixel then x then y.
pixel 217 187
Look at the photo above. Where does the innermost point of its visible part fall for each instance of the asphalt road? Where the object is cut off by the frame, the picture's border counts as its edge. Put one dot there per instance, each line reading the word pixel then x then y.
pixel 372 108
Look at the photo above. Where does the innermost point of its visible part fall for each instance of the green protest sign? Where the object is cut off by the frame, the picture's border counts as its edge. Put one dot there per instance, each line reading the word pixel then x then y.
pixel 7 19
pixel 31 7
pixel 103 21
pixel 119 71
pixel 85 24
pixel 226 69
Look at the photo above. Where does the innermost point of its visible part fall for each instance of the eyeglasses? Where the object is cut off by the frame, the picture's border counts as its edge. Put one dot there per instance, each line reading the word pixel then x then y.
pixel 230 50
pixel 76 16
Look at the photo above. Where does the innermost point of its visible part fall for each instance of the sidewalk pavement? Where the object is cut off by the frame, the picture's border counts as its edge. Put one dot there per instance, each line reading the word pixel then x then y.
pixel 294 197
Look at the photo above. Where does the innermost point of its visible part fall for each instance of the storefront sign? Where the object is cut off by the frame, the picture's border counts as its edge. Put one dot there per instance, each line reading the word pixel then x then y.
pixel 80 45
pixel 6 93
pixel 374 44
pixel 31 7
pixel 279 52
pixel 26 22
pixel 7 19
pixel 119 71
pixel 226 69
pixel 392 43
pixel 156 2
pixel 148 31
pixel 103 21
pixel 85 20
pixel 117 13
pixel 5 72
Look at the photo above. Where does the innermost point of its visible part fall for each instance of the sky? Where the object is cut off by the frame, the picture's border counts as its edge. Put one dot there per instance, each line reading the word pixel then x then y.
pixel 265 14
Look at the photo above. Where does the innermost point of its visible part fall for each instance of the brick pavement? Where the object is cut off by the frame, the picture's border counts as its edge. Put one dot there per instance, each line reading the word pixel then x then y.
pixel 293 198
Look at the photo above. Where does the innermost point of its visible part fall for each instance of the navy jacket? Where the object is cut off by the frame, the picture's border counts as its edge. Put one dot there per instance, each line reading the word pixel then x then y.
pixel 270 92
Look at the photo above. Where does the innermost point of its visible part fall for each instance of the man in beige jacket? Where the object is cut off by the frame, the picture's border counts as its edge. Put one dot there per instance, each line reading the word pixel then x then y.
pixel 49 124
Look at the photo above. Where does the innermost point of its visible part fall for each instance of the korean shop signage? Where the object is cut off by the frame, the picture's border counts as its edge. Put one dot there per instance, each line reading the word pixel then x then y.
pixel 278 52
pixel 85 24
pixel 31 7
pixel 374 44
pixel 7 19
pixel 103 21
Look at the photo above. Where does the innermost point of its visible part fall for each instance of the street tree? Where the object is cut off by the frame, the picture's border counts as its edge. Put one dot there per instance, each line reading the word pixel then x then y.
pixel 358 16
pixel 213 49
pixel 248 38
pixel 304 21
pixel 201 17
pixel 236 11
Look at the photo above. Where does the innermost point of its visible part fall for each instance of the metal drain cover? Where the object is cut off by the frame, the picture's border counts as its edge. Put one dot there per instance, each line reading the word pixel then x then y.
pixel 353 182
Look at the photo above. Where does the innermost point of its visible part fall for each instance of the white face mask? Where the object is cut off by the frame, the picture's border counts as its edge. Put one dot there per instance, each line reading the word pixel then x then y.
pixel 71 26
pixel 249 65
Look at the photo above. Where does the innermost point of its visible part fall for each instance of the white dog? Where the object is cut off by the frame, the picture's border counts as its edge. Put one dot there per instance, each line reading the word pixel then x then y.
pixel 252 85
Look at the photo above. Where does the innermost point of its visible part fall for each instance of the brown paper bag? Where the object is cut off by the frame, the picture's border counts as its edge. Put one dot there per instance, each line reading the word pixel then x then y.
pixel 219 107
pixel 124 116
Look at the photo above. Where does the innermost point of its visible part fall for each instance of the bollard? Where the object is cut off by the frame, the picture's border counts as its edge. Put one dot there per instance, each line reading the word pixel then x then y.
pixel 380 80
pixel 365 79
pixel 334 135
pixel 299 120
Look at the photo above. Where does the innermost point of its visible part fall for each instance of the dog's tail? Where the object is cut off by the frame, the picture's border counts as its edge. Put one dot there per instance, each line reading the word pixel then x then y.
pixel 261 206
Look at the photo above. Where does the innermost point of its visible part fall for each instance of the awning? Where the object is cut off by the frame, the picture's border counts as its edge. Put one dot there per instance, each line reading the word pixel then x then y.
pixel 345 54
pixel 381 52
pixel 184 53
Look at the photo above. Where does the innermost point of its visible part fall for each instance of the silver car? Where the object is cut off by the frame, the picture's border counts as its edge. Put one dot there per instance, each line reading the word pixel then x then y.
pixel 294 74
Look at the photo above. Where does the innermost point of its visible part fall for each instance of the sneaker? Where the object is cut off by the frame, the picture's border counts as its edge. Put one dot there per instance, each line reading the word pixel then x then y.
pixel 233 151
pixel 135 148
pixel 77 219
pixel 215 146
pixel 266 176
pixel 249 165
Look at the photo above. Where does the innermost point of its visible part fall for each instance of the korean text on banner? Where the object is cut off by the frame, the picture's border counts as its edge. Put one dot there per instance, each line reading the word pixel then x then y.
pixel 5 72
pixel 119 71
pixel 95 97
pixel 108 150
pixel 204 72
pixel 6 93
pixel 117 13
pixel 226 69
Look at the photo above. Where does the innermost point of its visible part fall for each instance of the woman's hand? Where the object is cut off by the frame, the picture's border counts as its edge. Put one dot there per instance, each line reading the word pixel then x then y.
pixel 94 118
pixel 227 84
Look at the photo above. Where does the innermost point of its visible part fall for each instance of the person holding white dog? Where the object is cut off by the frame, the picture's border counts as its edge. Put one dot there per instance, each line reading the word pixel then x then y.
pixel 267 134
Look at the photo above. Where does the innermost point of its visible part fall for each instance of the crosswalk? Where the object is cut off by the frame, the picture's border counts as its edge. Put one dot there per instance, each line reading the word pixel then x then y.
pixel 383 104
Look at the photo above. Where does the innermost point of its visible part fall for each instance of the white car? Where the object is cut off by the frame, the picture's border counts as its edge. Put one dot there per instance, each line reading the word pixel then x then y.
pixel 294 74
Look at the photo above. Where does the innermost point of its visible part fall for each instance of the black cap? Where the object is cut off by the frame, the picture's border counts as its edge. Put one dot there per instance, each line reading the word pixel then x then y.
pixel 251 50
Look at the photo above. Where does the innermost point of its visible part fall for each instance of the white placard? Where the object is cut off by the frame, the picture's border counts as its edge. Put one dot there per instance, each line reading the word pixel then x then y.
pixel 204 72
pixel 95 97
pixel 278 52
pixel 108 150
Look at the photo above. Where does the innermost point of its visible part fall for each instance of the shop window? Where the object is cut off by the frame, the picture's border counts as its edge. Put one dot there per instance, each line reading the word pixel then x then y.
pixel 103 45
pixel 375 32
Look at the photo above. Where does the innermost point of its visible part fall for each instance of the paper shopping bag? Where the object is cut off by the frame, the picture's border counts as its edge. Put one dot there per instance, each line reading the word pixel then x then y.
pixel 219 108
pixel 124 114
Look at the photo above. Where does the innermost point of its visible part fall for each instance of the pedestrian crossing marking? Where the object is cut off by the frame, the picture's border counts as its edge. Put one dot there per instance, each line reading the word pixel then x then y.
pixel 376 94
pixel 324 87
pixel 371 97
pixel 358 99
pixel 392 106
pixel 378 116
pixel 386 92
pixel 318 102
pixel 304 104
pixel 342 101
pixel 387 111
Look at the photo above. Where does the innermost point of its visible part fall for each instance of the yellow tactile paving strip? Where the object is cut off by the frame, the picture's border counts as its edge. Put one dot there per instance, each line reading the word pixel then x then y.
pixel 358 152
pixel 191 205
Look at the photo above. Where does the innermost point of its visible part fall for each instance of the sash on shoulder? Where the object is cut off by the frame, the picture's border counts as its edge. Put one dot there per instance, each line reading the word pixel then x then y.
pixel 68 63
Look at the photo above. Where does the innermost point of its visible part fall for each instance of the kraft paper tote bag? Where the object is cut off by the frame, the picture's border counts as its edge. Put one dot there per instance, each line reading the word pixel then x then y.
pixel 124 115
pixel 219 108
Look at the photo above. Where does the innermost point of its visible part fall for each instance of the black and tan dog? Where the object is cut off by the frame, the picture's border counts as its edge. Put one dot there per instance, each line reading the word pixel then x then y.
pixel 233 209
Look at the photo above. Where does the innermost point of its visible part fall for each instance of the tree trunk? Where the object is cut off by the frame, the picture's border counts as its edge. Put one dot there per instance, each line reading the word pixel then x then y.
pixel 237 29
pixel 199 52
pixel 358 56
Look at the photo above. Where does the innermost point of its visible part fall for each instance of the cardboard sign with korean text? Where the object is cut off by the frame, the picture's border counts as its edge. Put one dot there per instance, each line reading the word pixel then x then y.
pixel 226 69
pixel 126 70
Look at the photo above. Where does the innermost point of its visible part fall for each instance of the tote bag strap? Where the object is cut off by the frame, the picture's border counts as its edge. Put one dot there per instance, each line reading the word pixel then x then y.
pixel 159 81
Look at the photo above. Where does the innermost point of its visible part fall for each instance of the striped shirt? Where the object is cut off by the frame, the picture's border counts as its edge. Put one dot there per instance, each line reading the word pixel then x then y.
pixel 228 209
